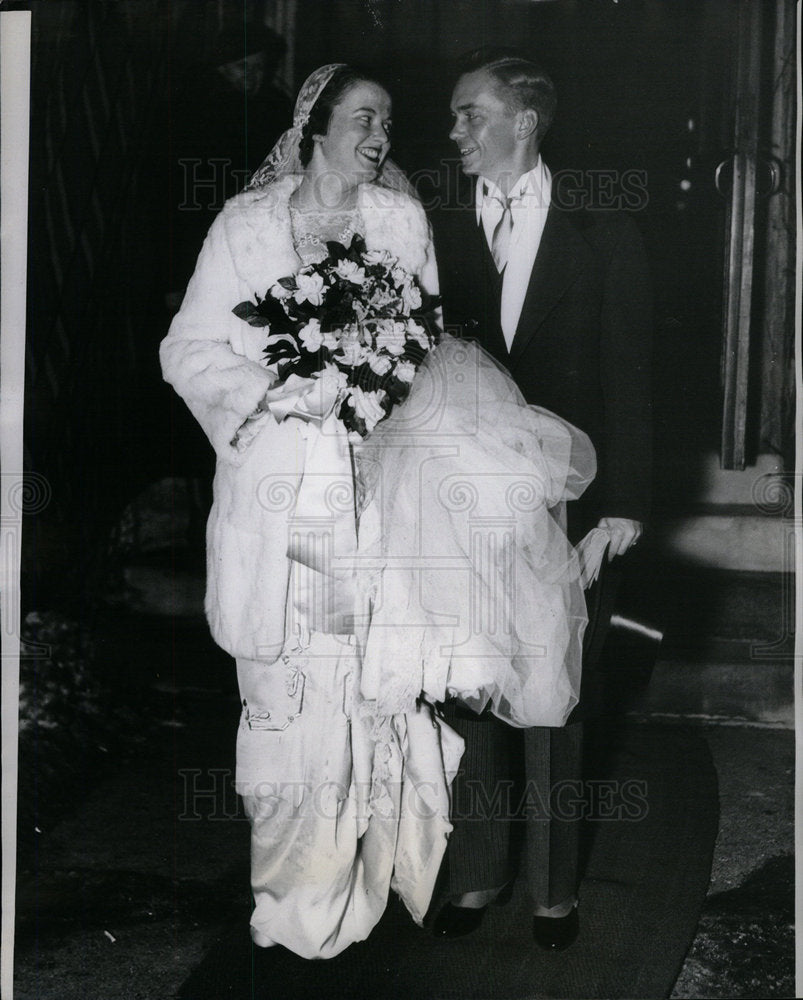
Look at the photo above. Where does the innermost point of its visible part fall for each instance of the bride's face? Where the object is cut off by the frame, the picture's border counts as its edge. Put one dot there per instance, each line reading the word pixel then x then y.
pixel 358 138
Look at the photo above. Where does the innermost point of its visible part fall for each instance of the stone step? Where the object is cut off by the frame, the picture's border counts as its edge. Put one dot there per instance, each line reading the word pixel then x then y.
pixel 760 694
pixel 732 538
pixel 728 647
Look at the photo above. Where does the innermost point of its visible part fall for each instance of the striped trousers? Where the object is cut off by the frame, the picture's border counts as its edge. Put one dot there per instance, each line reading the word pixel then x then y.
pixel 513 782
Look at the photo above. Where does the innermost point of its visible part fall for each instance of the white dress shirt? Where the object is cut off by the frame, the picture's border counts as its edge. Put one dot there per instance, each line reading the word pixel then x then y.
pixel 530 197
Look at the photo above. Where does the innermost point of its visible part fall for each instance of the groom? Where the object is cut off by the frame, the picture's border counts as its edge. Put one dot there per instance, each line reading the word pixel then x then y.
pixel 559 297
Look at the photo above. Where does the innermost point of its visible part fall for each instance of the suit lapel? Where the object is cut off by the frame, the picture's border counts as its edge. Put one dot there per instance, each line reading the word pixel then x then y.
pixel 562 254
pixel 466 252
pixel 467 246
pixel 469 236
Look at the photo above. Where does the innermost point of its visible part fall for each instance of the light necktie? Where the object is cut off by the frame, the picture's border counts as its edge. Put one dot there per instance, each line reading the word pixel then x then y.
pixel 500 242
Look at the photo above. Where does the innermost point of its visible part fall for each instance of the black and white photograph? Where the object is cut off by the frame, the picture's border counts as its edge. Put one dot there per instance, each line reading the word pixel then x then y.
pixel 401 499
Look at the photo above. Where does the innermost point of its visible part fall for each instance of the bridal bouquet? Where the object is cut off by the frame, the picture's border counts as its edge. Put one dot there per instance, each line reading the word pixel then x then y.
pixel 356 326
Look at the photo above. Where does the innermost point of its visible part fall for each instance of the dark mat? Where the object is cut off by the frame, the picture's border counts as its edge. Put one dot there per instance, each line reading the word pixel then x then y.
pixel 648 867
pixel 761 912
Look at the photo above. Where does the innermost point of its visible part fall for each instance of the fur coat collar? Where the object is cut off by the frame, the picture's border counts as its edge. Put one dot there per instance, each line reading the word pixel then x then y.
pixel 261 241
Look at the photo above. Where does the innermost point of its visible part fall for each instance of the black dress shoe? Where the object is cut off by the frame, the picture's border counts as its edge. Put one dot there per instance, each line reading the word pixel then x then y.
pixel 556 933
pixel 456 921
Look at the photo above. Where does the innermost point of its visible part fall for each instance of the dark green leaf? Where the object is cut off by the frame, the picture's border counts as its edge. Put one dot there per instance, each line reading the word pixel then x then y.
pixel 251 314
pixel 336 250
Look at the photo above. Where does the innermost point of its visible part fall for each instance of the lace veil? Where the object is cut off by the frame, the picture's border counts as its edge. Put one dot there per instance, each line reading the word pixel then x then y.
pixel 284 158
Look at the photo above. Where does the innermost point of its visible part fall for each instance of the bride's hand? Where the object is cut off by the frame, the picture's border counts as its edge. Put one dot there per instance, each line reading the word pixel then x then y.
pixel 306 398
pixel 320 400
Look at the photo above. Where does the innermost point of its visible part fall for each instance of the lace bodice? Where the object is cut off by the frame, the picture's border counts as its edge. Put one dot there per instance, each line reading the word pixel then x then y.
pixel 313 229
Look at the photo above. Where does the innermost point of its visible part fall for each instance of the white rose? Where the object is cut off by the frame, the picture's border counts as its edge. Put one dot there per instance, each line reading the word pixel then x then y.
pixel 310 289
pixel 366 406
pixel 411 296
pixel 323 396
pixel 405 371
pixel 352 353
pixel 350 271
pixel 381 297
pixel 380 364
pixel 330 340
pixel 417 332
pixel 378 257
pixel 391 336
pixel 311 336
pixel 332 376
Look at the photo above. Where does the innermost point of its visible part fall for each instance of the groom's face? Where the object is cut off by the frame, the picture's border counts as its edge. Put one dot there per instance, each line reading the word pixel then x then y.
pixel 484 127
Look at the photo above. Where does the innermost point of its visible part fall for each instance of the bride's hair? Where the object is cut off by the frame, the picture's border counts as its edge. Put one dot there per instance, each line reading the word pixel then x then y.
pixel 343 79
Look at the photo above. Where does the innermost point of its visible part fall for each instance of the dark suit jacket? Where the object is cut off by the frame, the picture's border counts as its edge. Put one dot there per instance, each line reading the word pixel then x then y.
pixel 583 343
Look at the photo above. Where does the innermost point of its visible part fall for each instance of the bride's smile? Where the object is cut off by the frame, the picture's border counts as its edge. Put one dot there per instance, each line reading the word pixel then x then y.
pixel 358 138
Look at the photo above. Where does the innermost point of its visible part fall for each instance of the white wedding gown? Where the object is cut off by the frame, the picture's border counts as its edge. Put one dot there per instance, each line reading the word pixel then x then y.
pixel 345 802
pixel 456 578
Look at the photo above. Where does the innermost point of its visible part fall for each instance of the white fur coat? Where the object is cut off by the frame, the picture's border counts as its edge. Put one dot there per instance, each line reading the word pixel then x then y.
pixel 215 362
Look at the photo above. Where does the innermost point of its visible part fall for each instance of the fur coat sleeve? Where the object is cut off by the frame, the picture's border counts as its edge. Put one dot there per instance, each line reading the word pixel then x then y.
pixel 210 357
pixel 215 362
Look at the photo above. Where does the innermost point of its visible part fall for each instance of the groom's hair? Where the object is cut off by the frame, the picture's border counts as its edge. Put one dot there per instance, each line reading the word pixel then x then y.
pixel 520 81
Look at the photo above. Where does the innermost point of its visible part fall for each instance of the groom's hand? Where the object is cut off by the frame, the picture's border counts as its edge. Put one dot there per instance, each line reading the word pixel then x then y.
pixel 624 534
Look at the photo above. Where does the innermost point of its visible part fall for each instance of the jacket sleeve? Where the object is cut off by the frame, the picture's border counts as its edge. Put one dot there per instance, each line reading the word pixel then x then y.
pixel 626 358
pixel 221 386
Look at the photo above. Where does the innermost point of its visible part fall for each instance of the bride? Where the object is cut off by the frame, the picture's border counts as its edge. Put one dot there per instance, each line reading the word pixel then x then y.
pixel 359 585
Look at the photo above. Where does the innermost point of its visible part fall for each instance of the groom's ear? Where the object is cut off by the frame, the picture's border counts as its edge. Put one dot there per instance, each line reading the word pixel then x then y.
pixel 527 124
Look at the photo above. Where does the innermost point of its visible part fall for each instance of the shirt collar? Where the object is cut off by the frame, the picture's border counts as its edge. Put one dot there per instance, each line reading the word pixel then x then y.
pixel 535 184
